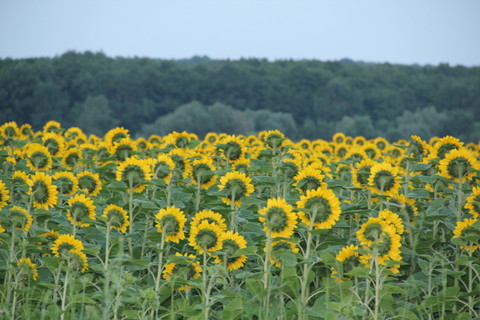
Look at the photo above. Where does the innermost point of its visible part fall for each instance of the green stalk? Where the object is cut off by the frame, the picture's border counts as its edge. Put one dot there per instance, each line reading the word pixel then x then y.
pixel 206 291
pixel 64 295
pixel 304 292
pixel 130 214
pixel 233 225
pixel 106 271
pixel 266 273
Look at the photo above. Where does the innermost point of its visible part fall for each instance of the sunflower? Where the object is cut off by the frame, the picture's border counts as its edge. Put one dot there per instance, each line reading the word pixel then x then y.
pixel 290 167
pixel 465 228
pixel 392 219
pixel 81 207
pixel 26 131
pixel 90 182
pixel 78 260
pixel 188 271
pixel 203 172
pixel 231 242
pixel 211 138
pixel 155 140
pixel 19 183
pixel 232 148
pixel 371 231
pixel 278 218
pixel 473 202
pixel 115 135
pixel 341 150
pixel 71 157
pixel 206 236
pixel 73 133
pixel 182 164
pixel 384 179
pixel 123 149
pixel 9 130
pixel 348 257
pixel 417 148
pixel 163 167
pixel 236 185
pixel 180 139
pixel 18 218
pixel 386 242
pixel 242 165
pixel 403 204
pixel 43 191
pixel 142 144
pixel 338 137
pixel 171 221
pixel 361 173
pixel 273 138
pixel 66 182
pixel 38 157
pixel 282 246
pixel 134 172
pixel 65 243
pixel 445 145
pixel 309 178
pixel 4 194
pixel 321 208
pixel 355 155
pixel 28 268
pixel 209 216
pixel 117 217
pixel 55 143
pixel 457 163
pixel 304 144
pixel 371 150
pixel 52 126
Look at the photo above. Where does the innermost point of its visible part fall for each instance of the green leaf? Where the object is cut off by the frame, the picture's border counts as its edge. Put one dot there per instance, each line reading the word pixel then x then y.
pixel 359 272
pixel 245 251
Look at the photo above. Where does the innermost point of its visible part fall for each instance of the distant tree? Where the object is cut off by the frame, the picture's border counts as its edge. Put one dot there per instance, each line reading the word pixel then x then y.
pixel 95 116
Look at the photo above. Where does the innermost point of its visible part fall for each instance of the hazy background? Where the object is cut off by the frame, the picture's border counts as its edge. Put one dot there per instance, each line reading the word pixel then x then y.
pixel 405 32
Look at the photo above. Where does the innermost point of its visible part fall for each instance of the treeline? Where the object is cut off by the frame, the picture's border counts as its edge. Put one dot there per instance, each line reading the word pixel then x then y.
pixel 305 99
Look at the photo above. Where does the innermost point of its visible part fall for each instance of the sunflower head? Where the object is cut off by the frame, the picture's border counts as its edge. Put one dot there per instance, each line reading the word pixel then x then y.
pixel 209 216
pixel 27 268
pixel 116 135
pixel 55 143
pixel 457 164
pixel 43 191
pixel 64 244
pixel 309 179
pixel 417 148
pixel 191 269
pixel 384 179
pixel 319 208
pixel 52 126
pixel 273 138
pixel 4 194
pixel 17 217
pixel 280 246
pixel 134 172
pixel 117 217
pixel 361 173
pixel 66 182
pixel 38 157
pixel 90 182
pixel 81 208
pixel 203 172
pixel 231 242
pixel 206 237
pixel 236 185
pixel 123 149
pixel 473 202
pixel 278 218
pixel 469 231
pixel 171 222
pixel 445 145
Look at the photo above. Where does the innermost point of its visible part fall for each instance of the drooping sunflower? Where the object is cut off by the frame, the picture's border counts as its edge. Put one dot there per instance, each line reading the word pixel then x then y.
pixel 9 130
pixel 203 172
pixel 278 218
pixel 163 167
pixel 52 126
pixel 65 243
pixel 66 182
pixel 236 185
pixel 347 258
pixel 115 135
pixel 26 131
pixel 206 237
pixel 473 202
pixel 71 157
pixel 171 221
pixel 43 191
pixel 231 242
pixel 55 143
pixel 123 149
pixel 465 229
pixel 38 157
pixel 190 270
pixel 290 167
pixel 384 179
pixel 387 244
pixel 361 173
pixel 273 138
pixel 117 217
pixel 282 246
pixel 81 207
pixel 309 178
pixel 90 182
pixel 181 160
pixel 28 268
pixel 210 216
pixel 78 260
pixel 456 165
pixel 445 145
pixel 134 172
pixel 319 207
pixel 17 217
pixel 4 194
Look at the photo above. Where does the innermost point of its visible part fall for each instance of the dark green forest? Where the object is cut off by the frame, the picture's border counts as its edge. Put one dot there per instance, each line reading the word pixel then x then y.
pixel 303 98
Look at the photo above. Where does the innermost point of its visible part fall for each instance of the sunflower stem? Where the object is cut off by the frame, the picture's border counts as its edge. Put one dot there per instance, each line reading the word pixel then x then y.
pixel 266 274
pixel 198 196
pixel 160 263
pixel 206 291
pixel 233 225
pixel 130 214
pixel 304 292
pixel 106 289
pixel 64 295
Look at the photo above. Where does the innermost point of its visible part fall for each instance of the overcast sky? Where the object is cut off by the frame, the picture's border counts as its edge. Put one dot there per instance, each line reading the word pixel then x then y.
pixel 400 31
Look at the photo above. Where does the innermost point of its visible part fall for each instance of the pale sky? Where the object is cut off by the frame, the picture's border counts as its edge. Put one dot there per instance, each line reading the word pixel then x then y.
pixel 400 31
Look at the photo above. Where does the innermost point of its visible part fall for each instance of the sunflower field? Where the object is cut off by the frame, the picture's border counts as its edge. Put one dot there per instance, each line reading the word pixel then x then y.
pixel 236 227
